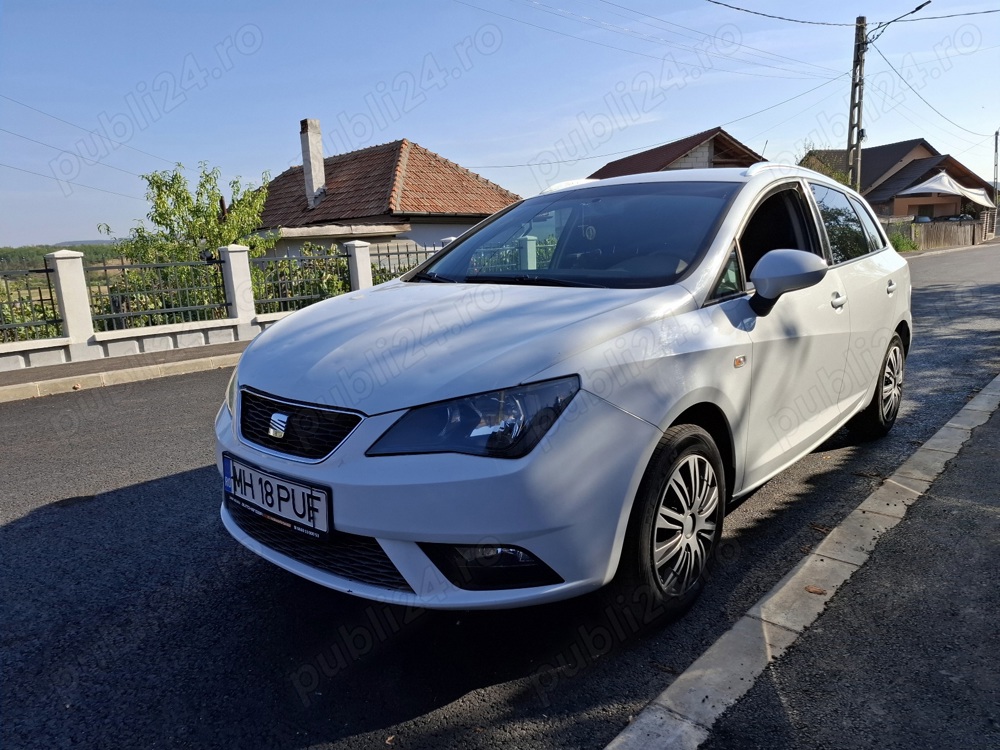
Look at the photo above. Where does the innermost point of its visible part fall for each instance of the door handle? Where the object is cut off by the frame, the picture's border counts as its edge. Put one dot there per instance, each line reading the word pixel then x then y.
pixel 838 301
pixel 890 287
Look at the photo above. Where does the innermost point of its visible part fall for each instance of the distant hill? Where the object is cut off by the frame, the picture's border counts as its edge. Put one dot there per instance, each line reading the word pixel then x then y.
pixel 74 243
pixel 33 256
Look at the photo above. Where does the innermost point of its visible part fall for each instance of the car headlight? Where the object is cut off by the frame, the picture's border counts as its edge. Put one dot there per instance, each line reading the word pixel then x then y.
pixel 500 424
pixel 231 390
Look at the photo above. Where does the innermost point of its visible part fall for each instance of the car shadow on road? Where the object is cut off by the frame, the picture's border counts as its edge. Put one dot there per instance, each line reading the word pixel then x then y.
pixel 133 619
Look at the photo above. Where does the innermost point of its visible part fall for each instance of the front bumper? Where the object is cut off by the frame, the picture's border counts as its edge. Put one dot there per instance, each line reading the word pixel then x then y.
pixel 567 503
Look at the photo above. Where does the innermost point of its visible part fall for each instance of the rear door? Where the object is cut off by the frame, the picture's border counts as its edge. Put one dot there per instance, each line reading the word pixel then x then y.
pixel 875 278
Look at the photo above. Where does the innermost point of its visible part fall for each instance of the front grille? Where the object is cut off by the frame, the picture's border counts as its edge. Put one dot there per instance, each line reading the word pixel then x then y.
pixel 357 558
pixel 310 432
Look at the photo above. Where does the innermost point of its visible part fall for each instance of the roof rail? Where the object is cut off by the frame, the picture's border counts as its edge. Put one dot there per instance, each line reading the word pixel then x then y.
pixel 568 183
pixel 755 169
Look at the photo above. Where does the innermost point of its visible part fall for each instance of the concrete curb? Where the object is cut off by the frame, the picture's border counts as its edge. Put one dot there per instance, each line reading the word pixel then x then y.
pixel 682 715
pixel 114 377
pixel 946 250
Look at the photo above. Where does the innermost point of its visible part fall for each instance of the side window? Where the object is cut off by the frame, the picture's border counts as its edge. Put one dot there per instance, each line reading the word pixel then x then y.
pixel 848 238
pixel 875 241
pixel 778 222
pixel 731 281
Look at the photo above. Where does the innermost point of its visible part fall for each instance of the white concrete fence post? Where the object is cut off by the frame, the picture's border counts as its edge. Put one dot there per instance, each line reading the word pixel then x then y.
pixel 239 288
pixel 70 285
pixel 527 250
pixel 359 262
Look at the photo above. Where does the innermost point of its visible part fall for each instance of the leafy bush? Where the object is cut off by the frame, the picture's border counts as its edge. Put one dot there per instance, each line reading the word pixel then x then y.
pixel 902 243
pixel 19 307
pixel 284 284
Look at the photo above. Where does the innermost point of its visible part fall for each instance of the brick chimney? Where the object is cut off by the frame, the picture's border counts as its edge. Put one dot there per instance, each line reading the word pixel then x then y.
pixel 312 161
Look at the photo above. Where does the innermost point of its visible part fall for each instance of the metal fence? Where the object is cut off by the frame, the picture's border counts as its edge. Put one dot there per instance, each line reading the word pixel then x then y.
pixel 134 295
pixel 392 260
pixel 28 306
pixel 506 257
pixel 291 283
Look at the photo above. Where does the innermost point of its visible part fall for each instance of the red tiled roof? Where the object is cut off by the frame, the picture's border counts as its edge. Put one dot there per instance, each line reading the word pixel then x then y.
pixel 659 158
pixel 387 182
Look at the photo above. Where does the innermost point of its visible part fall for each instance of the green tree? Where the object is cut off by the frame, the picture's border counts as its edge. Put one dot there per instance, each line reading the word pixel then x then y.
pixel 186 222
pixel 812 159
pixel 188 225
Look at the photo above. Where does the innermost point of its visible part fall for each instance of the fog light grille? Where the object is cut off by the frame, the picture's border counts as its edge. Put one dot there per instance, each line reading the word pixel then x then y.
pixel 490 567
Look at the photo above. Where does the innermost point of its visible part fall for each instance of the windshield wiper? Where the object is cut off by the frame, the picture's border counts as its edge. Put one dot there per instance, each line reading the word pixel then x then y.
pixel 526 280
pixel 431 276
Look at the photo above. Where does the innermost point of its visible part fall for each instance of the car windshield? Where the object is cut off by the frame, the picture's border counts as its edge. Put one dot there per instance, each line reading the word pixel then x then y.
pixel 625 236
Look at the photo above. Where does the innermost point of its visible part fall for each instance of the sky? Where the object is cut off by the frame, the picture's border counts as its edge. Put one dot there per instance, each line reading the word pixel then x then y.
pixel 525 92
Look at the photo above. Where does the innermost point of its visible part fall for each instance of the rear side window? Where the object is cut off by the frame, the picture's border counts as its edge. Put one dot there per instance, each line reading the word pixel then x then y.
pixel 848 238
pixel 875 240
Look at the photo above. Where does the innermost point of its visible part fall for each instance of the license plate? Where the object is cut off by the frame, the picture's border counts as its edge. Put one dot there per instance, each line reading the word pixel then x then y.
pixel 301 507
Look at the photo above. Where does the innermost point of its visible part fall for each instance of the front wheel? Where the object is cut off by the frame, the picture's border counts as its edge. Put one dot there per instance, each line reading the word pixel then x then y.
pixel 879 416
pixel 676 523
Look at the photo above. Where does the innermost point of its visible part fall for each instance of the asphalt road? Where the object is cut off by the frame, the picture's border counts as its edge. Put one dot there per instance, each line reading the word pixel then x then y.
pixel 131 619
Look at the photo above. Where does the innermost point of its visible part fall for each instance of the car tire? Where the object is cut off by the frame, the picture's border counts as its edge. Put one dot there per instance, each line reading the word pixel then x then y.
pixel 675 527
pixel 876 419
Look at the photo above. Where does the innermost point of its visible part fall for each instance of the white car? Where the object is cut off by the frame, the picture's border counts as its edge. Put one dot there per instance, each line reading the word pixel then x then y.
pixel 569 394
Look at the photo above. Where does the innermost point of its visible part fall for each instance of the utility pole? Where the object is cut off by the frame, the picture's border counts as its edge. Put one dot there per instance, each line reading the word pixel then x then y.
pixel 996 197
pixel 855 130
pixel 855 133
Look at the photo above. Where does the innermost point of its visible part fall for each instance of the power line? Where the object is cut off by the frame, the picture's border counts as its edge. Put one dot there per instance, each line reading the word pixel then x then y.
pixel 953 15
pixel 64 151
pixel 792 98
pixel 86 130
pixel 975 145
pixel 920 96
pixel 597 23
pixel 896 108
pixel 713 36
pixel 74 184
pixel 876 24
pixel 594 41
pixel 780 18
pixel 660 143
pixel 792 117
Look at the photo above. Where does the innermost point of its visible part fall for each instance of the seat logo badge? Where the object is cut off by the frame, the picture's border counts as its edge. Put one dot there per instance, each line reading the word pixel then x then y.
pixel 279 423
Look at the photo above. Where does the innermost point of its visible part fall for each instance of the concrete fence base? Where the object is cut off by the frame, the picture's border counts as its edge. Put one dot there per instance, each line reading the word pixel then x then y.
pixel 80 342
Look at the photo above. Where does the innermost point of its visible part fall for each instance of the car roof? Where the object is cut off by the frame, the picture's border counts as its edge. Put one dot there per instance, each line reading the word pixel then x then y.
pixel 765 170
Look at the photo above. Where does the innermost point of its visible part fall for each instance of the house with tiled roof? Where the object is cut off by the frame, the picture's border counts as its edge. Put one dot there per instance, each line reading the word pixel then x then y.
pixel 393 191
pixel 890 172
pixel 710 148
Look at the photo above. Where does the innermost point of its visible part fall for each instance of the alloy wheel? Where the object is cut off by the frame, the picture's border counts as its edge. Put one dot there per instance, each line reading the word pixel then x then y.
pixel 685 524
pixel 892 383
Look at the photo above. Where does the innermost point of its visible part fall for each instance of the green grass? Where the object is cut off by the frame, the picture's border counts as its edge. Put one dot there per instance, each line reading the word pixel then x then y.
pixel 902 244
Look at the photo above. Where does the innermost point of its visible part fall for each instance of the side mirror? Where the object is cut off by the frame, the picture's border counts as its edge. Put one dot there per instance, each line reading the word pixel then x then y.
pixel 783 271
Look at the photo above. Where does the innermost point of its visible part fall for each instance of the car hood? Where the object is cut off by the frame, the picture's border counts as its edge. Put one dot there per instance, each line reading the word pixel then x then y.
pixel 403 344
